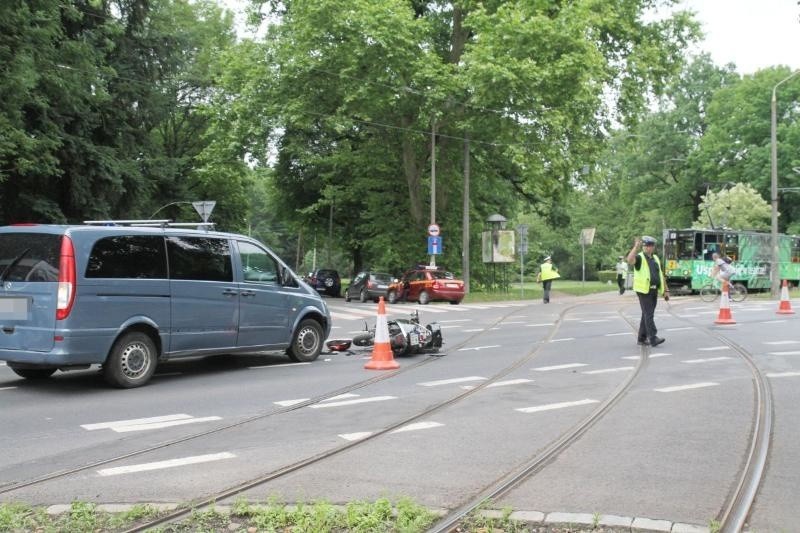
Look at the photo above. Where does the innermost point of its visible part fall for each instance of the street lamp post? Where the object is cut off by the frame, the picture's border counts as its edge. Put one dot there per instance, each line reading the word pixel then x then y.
pixel 774 274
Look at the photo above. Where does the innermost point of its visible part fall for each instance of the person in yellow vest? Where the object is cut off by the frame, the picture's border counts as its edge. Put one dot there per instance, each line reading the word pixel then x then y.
pixel 648 283
pixel 547 273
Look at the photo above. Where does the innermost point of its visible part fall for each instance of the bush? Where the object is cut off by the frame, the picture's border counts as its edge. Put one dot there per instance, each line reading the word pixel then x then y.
pixel 607 275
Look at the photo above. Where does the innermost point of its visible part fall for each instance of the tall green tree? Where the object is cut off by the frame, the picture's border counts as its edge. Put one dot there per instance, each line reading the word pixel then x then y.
pixel 361 86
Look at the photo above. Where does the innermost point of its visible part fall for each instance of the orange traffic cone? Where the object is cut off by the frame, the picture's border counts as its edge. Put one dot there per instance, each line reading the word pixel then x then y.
pixel 785 307
pixel 724 307
pixel 382 357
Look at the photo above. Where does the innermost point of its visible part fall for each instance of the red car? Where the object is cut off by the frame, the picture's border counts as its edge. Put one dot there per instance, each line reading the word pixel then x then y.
pixel 426 284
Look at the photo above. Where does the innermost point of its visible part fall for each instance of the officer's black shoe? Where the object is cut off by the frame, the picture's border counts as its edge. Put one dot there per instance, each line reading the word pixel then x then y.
pixel 642 342
pixel 655 341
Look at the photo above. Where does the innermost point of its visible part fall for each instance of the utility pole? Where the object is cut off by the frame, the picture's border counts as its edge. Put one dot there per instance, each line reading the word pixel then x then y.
pixel 433 181
pixel 465 219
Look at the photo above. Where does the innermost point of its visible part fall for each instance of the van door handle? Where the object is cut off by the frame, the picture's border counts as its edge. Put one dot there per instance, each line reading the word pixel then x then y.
pixel 230 292
pixel 248 293
pixel 8 329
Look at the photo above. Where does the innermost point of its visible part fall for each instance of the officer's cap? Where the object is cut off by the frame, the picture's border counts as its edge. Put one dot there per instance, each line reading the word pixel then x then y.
pixel 647 240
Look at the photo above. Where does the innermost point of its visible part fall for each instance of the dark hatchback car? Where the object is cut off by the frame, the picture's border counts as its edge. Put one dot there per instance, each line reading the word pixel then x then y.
pixel 367 285
pixel 326 280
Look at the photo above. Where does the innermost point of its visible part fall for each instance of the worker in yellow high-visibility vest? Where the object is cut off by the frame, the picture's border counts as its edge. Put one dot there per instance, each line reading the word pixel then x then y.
pixel 648 283
pixel 547 273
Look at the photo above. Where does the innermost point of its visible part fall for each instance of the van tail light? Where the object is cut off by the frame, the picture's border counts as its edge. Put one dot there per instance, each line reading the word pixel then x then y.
pixel 66 279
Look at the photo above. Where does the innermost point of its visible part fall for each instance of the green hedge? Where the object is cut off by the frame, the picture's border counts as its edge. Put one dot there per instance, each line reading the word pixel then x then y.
pixel 607 275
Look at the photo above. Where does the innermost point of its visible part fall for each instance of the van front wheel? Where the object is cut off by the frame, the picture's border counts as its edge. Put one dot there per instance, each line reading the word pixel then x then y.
pixel 132 361
pixel 307 342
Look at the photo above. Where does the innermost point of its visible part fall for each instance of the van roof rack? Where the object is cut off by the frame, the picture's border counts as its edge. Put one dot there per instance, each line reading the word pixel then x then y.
pixel 162 223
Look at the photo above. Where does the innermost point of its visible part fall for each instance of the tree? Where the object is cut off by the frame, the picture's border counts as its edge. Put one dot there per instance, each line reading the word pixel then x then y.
pixel 740 207
pixel 361 86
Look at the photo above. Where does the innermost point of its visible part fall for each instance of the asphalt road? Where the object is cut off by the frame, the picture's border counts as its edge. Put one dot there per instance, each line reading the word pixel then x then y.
pixel 670 450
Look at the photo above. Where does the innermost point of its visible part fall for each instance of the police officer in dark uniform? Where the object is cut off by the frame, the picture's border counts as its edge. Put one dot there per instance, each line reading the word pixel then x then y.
pixel 648 282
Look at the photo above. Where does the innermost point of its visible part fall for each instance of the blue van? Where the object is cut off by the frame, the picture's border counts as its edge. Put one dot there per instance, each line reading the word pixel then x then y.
pixel 129 295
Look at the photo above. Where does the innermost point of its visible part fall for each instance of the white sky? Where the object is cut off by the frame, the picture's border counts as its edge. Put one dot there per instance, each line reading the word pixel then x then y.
pixel 753 34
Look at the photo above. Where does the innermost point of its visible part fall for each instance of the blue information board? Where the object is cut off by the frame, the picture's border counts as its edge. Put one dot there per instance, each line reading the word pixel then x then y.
pixel 434 245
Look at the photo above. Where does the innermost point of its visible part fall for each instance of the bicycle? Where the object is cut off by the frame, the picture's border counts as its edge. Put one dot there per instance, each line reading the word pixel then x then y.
pixel 709 292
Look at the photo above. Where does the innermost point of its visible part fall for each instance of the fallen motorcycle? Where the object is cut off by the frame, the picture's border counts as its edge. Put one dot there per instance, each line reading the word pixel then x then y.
pixel 406 336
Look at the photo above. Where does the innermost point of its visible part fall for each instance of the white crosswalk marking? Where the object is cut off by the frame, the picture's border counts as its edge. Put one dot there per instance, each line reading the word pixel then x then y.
pixel 680 388
pixel 172 463
pixel 450 381
pixel 709 360
pixel 559 367
pixel 784 375
pixel 352 402
pixel 609 370
pixel 145 424
pixel 551 406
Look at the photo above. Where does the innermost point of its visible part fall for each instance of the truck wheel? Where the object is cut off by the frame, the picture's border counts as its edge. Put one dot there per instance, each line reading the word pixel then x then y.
pixel 363 296
pixel 132 361
pixel 392 297
pixel 424 298
pixel 306 343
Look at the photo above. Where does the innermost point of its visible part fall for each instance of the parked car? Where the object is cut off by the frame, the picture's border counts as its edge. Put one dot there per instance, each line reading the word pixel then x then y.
pixel 426 284
pixel 368 285
pixel 128 297
pixel 326 280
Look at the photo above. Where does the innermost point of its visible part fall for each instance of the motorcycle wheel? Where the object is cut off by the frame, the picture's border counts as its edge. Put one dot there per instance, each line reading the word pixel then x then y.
pixel 363 339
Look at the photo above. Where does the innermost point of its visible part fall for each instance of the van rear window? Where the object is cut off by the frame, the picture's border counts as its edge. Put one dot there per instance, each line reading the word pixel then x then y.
pixel 29 257
pixel 128 256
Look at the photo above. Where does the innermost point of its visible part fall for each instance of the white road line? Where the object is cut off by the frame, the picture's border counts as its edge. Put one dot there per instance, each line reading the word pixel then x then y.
pixel 278 366
pixel 171 463
pixel 538 325
pixel 472 330
pixel 679 329
pixel 509 382
pixel 289 403
pixel 455 320
pixel 476 348
pixel 352 402
pixel 709 360
pixel 450 381
pixel 618 334
pixel 559 367
pixel 595 321
pixel 794 352
pixel 781 342
pixel 632 357
pixel 687 316
pixel 563 339
pixel 777 321
pixel 660 354
pixel 784 375
pixel 161 425
pixel 135 422
pixel 506 322
pixel 551 406
pixel 696 308
pixel 679 388
pixel 417 426
pixel 345 316
pixel 714 349
pixel 7 388
pixel 355 436
pixel 609 370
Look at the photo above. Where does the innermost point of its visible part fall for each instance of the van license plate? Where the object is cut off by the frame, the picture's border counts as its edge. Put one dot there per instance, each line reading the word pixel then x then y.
pixel 14 308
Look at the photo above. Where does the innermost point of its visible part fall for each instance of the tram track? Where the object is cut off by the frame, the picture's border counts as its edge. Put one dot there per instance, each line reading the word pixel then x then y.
pixel 732 517
pixel 265 478
pixel 12 486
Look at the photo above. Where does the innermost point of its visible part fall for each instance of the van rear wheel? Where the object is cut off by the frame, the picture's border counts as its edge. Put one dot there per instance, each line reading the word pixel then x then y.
pixel 33 373
pixel 132 361
pixel 306 343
